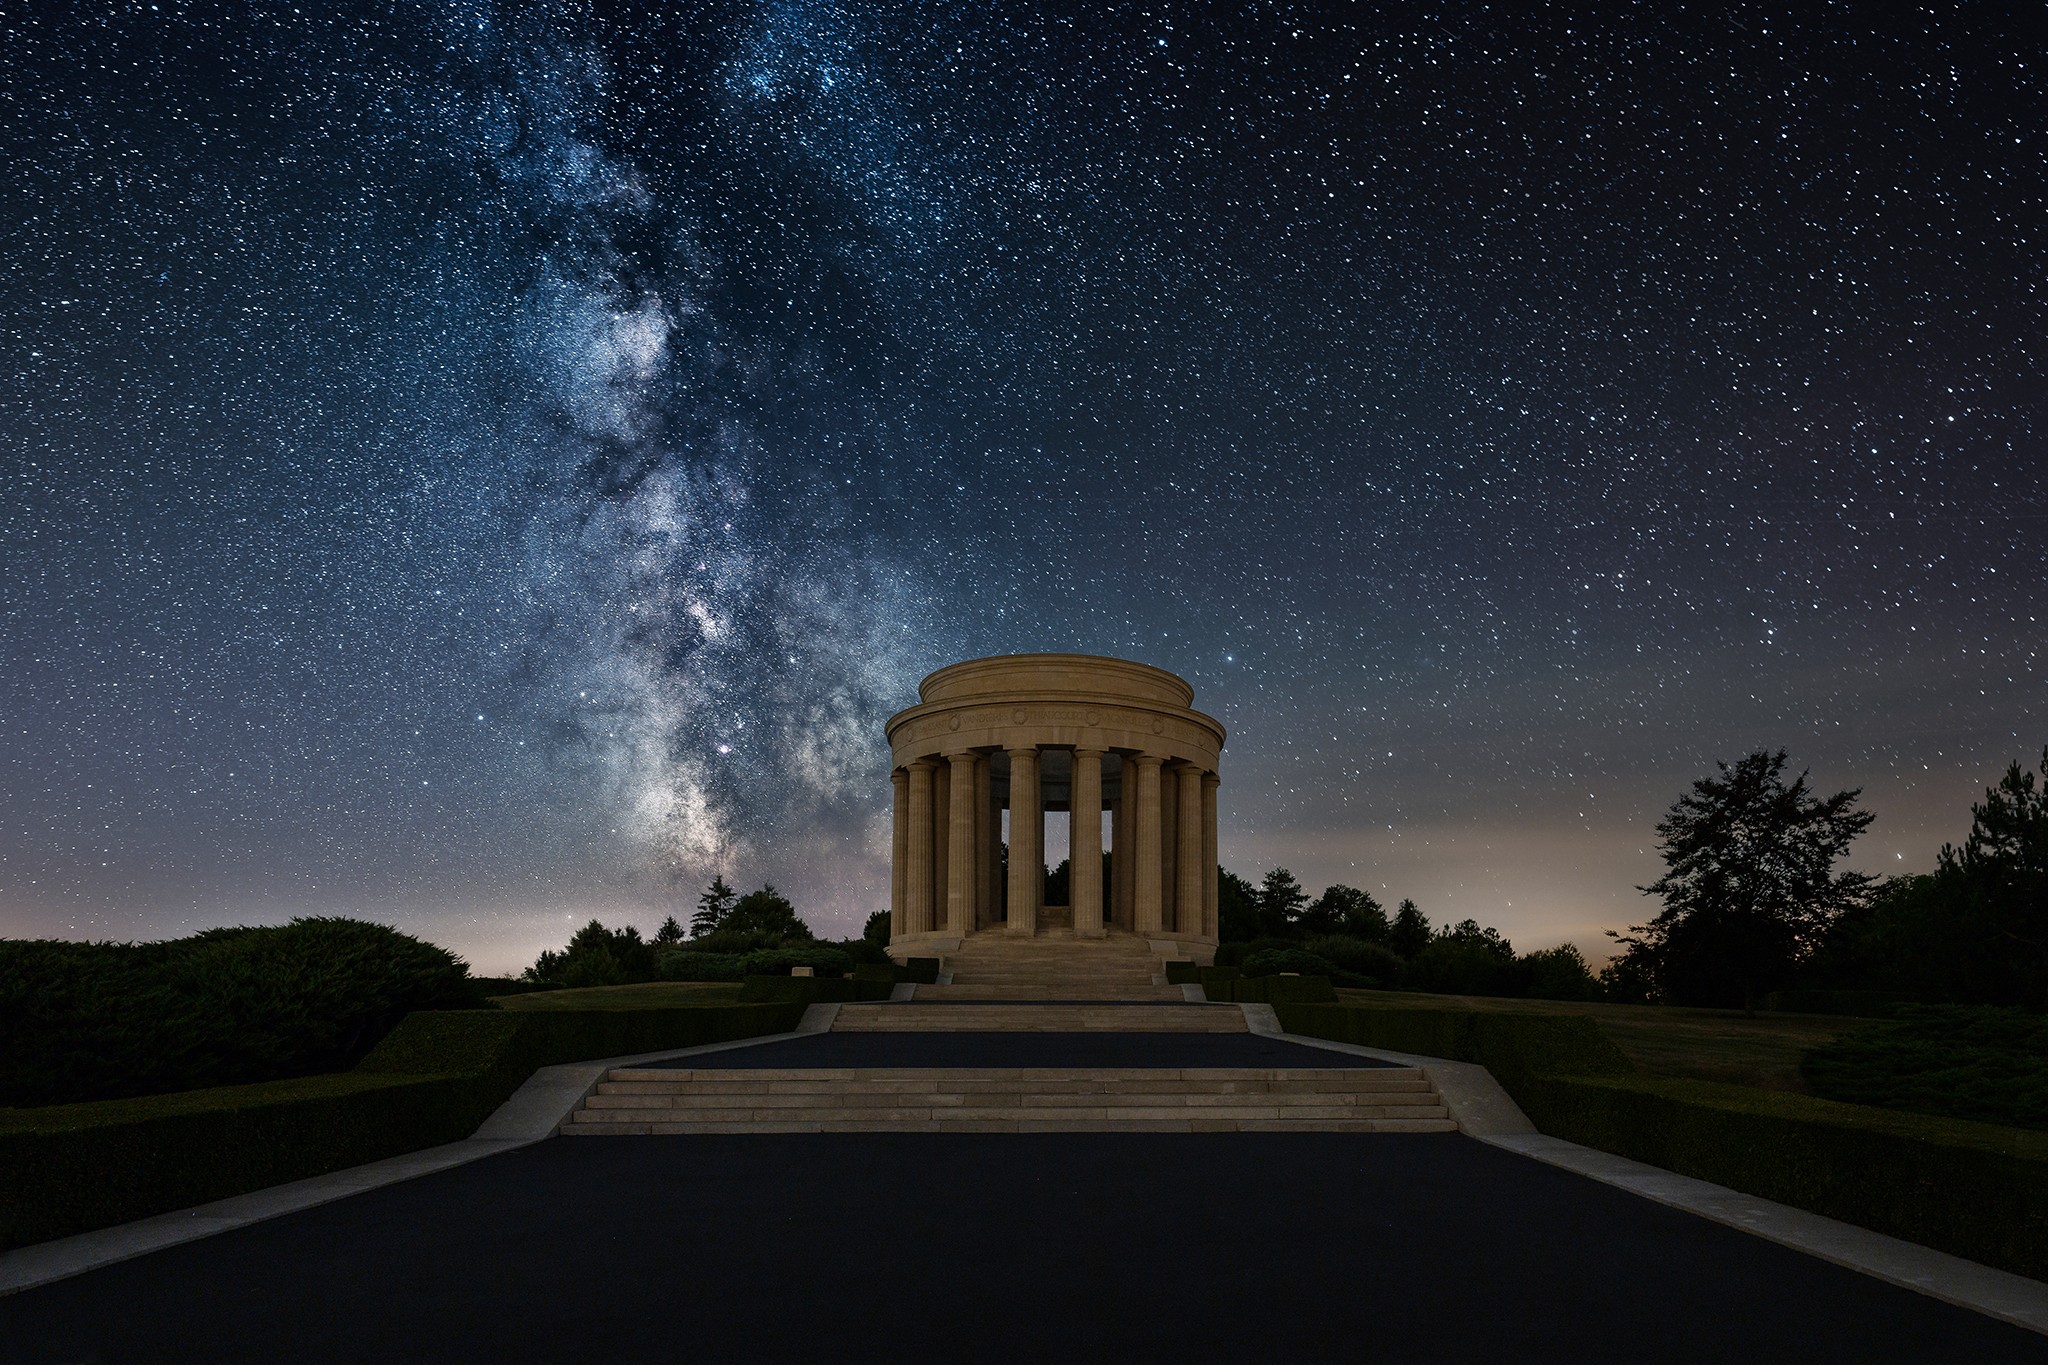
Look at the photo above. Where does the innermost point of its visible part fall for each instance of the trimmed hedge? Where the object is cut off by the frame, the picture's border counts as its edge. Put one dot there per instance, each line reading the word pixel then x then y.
pixel 1972 1189
pixel 1183 973
pixel 1270 990
pixel 814 990
pixel 433 1079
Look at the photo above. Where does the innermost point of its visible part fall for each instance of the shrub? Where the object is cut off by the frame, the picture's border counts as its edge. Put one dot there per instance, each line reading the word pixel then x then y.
pixel 1987 1064
pixel 1273 961
pixel 1369 962
pixel 596 956
pixel 778 961
pixel 687 964
pixel 88 1021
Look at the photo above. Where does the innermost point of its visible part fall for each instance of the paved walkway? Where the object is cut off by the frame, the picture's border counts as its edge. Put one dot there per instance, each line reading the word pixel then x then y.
pixel 997 1247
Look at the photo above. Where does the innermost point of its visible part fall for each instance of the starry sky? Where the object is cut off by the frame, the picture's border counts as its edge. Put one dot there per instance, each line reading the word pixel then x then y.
pixel 482 466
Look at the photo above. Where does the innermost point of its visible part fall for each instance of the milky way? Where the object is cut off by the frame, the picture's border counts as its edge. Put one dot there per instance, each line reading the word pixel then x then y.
pixel 480 466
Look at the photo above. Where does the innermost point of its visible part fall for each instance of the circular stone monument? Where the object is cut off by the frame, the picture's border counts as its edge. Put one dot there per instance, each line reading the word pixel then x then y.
pixel 1028 733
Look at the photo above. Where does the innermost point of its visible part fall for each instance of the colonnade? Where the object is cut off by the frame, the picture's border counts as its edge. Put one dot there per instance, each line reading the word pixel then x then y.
pixel 1162 878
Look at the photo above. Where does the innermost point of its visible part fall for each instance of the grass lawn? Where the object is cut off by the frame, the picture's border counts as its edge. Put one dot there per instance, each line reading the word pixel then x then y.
pixel 1707 1045
pixel 650 995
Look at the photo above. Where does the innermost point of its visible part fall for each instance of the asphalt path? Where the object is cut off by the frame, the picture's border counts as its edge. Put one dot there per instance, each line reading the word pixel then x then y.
pixel 991 1247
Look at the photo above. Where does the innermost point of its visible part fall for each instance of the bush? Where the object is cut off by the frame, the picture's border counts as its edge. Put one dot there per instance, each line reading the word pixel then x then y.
pixel 1369 963
pixel 1273 961
pixel 1986 1064
pixel 687 964
pixel 87 1021
pixel 779 961
pixel 432 1080
pixel 596 956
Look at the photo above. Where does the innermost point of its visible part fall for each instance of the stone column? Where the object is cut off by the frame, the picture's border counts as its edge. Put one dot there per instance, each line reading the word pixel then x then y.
pixel 1145 904
pixel 1211 928
pixel 917 906
pixel 1027 841
pixel 899 849
pixel 942 842
pixel 984 845
pixel 1120 849
pixel 1085 844
pixel 960 846
pixel 1188 899
pixel 1169 843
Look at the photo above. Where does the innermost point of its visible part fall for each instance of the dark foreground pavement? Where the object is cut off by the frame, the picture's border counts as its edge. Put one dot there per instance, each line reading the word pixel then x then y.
pixel 1052 1247
pixel 1024 1049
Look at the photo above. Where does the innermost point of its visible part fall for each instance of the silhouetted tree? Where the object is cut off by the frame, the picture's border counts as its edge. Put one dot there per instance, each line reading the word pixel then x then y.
pixel 1997 884
pixel 712 908
pixel 1347 910
pixel 1280 901
pixel 876 930
pixel 767 915
pixel 1237 908
pixel 597 956
pixel 669 934
pixel 1464 959
pixel 1749 885
pixel 1409 933
pixel 1558 973
pixel 1059 884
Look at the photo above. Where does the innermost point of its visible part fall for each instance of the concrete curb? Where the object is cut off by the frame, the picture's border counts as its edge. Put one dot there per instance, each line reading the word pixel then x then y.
pixel 1484 1111
pixel 532 1114
pixel 1193 995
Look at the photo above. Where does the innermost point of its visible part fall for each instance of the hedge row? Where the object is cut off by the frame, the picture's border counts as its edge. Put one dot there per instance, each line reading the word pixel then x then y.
pixel 814 990
pixel 433 1079
pixel 1973 1189
pixel 917 970
pixel 1229 985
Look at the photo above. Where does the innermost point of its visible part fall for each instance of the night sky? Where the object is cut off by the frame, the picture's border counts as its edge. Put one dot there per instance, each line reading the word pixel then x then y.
pixel 477 467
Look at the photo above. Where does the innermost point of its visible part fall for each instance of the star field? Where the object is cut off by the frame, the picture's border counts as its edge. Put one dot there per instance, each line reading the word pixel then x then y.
pixel 478 466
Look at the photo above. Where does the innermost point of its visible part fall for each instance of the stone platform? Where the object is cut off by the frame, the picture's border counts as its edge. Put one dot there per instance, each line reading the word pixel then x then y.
pixel 1053 964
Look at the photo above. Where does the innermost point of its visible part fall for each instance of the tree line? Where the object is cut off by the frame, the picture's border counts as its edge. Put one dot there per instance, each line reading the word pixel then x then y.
pixel 1753 901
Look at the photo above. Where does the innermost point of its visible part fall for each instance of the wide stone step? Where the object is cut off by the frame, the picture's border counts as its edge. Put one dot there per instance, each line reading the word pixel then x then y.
pixel 652 1100
pixel 936 1017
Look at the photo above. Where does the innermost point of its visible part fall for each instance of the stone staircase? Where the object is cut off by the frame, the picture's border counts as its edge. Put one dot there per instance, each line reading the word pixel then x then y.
pixel 1053 965
pixel 653 1100
pixel 957 1016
